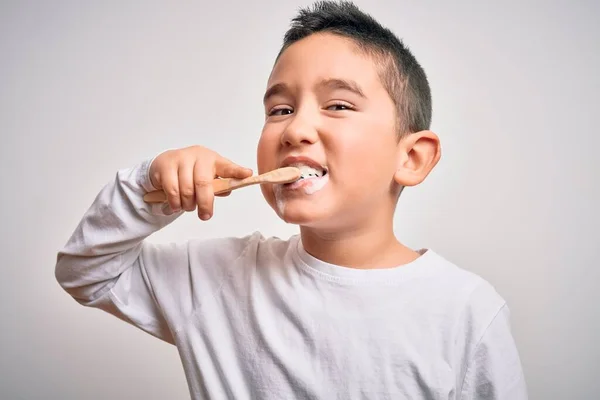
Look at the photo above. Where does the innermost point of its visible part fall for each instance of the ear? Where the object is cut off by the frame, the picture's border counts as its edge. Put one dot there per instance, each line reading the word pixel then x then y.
pixel 418 153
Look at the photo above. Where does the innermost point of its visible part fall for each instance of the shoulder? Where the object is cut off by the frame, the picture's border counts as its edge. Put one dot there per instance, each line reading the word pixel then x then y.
pixel 472 286
pixel 466 295
pixel 473 310
pixel 478 310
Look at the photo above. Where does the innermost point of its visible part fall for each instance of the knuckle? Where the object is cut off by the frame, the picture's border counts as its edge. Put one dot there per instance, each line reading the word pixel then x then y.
pixel 229 169
pixel 155 178
pixel 198 151
pixel 187 191
pixel 172 196
pixel 202 183
pixel 172 192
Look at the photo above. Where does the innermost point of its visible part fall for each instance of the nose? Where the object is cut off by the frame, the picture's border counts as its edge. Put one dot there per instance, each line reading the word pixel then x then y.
pixel 300 131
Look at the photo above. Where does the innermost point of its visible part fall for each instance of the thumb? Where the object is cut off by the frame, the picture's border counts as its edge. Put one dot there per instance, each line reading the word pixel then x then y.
pixel 225 168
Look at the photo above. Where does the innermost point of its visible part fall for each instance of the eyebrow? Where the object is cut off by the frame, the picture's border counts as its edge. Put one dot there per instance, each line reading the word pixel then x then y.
pixel 274 90
pixel 331 83
pixel 343 84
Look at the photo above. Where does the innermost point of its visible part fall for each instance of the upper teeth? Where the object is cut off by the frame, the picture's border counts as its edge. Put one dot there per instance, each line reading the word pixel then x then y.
pixel 308 171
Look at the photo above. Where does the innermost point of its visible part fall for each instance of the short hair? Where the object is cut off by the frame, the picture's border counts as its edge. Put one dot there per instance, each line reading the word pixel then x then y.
pixel 400 73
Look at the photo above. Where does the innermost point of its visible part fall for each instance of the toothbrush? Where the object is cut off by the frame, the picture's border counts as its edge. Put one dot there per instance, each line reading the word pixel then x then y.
pixel 221 185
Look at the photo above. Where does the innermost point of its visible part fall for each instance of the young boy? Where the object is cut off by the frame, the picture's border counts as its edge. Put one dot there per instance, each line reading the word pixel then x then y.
pixel 342 310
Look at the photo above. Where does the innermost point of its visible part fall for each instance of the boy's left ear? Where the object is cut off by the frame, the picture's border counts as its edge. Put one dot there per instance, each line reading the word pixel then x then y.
pixel 418 153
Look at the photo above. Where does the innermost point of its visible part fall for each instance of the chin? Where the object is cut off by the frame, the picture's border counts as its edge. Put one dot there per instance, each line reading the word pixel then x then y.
pixel 297 205
pixel 302 213
pixel 297 215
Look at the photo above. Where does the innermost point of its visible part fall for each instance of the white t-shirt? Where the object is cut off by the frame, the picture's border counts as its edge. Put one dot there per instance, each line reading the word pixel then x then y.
pixel 259 318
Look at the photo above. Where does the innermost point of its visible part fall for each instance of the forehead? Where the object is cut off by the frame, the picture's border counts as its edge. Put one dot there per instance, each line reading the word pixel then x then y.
pixel 324 56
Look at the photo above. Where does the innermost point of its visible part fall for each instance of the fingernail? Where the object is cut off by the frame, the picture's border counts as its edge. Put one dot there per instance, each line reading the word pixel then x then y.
pixel 166 209
pixel 205 216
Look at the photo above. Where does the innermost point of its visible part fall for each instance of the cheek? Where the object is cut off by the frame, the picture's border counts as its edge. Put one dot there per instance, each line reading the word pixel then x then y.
pixel 267 148
pixel 366 157
pixel 266 151
pixel 267 192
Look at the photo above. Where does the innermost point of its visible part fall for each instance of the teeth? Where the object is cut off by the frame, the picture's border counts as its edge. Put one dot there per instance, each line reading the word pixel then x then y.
pixel 309 172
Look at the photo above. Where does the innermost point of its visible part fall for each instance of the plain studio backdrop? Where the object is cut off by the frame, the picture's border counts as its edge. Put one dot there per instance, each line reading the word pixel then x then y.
pixel 87 88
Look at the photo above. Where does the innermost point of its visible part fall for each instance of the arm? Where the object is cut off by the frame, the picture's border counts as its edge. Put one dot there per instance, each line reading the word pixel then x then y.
pixel 494 371
pixel 107 263
pixel 104 263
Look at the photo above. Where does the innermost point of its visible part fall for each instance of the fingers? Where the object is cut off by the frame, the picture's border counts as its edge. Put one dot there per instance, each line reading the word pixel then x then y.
pixel 203 175
pixel 187 189
pixel 225 168
pixel 169 180
pixel 186 176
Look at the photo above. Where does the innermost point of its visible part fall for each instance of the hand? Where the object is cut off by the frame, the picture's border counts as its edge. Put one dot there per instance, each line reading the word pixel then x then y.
pixel 186 176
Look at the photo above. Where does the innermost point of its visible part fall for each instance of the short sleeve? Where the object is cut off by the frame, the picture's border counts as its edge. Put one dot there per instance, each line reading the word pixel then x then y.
pixel 494 372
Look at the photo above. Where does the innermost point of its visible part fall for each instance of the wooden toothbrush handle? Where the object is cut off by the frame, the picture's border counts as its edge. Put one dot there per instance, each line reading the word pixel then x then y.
pixel 220 185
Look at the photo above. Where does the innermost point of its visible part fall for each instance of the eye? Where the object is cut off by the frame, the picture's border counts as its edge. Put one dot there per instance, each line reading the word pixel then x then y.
pixel 280 111
pixel 340 107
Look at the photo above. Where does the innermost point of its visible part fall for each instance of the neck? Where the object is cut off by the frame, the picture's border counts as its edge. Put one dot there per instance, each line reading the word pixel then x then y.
pixel 369 246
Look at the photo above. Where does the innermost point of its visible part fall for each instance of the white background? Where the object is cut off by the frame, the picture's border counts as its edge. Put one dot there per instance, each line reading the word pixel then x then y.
pixel 87 88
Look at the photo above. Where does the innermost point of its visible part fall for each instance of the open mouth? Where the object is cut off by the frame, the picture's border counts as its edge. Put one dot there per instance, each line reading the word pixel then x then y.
pixel 310 172
pixel 313 177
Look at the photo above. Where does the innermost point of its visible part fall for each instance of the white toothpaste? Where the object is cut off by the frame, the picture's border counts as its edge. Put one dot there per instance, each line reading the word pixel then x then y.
pixel 316 185
pixel 314 182
pixel 279 198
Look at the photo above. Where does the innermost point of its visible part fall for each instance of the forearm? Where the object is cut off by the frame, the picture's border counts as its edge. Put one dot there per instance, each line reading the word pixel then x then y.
pixel 108 239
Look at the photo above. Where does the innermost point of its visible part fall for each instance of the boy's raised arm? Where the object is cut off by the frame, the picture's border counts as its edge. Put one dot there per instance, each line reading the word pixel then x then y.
pixel 105 249
pixel 107 263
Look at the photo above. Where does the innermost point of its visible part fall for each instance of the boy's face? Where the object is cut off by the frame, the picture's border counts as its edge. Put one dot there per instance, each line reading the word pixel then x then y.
pixel 325 102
